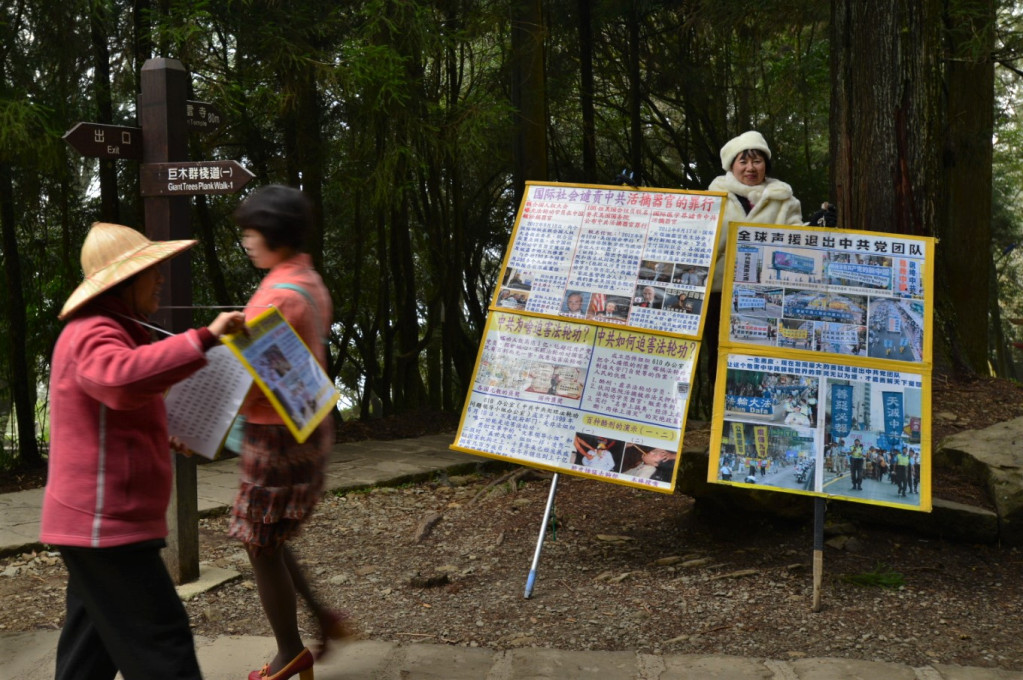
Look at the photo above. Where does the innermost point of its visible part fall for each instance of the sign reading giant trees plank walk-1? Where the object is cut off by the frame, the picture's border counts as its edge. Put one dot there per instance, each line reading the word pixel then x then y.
pixel 192 178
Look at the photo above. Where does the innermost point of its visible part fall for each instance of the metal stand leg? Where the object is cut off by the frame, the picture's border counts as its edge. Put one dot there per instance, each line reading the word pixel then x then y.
pixel 543 531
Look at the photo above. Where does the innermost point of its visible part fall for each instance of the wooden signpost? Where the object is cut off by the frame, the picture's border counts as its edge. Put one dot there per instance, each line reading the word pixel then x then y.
pixel 167 180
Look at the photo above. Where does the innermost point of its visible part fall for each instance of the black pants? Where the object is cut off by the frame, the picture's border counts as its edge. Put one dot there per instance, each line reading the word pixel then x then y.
pixel 123 614
pixel 856 471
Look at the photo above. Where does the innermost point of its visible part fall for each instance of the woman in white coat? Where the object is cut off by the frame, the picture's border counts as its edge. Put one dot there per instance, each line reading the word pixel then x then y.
pixel 753 196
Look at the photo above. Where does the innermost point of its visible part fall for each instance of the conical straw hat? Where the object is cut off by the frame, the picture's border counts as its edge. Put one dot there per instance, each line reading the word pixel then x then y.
pixel 113 253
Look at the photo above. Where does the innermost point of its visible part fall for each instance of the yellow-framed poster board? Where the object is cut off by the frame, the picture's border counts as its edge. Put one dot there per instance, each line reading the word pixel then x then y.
pixel 286 371
pixel 592 339
pixel 823 387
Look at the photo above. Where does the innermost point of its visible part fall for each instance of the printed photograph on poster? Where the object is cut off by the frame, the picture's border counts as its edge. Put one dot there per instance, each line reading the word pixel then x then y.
pixel 754 330
pixel 849 295
pixel 514 290
pixel 849 432
pixel 681 301
pixel 608 308
pixel 574 303
pixel 896 329
pixel 598 453
pixel 872 440
pixel 690 276
pixel 589 400
pixel 772 397
pixel 286 371
pixel 647 296
pixel 631 461
pixel 762 302
pixel 768 455
pixel 640 258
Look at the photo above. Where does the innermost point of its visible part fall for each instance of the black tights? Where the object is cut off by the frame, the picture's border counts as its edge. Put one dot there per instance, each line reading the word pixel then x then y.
pixel 278 578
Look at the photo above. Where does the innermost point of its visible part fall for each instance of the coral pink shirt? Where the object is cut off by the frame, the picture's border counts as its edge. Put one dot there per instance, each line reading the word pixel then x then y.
pixel 311 324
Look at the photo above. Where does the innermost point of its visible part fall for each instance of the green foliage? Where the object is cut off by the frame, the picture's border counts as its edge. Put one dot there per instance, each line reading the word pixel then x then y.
pixel 881 576
pixel 396 116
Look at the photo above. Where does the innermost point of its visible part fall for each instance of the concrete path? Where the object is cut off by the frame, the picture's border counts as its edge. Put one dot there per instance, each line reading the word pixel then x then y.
pixel 30 656
pixel 352 465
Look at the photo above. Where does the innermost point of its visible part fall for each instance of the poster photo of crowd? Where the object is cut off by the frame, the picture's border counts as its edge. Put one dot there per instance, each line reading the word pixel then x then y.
pixel 855 433
pixel 824 387
pixel 810 291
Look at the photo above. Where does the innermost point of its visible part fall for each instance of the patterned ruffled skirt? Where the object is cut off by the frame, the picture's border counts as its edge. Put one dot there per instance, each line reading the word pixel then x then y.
pixel 280 483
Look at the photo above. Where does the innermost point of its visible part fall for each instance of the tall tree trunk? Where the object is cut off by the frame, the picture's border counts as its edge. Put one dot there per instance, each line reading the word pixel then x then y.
pixel 206 229
pixel 528 94
pixel 635 98
pixel 408 386
pixel 23 388
pixel 891 141
pixel 965 261
pixel 886 114
pixel 310 148
pixel 586 92
pixel 303 148
pixel 99 24
pixel 142 38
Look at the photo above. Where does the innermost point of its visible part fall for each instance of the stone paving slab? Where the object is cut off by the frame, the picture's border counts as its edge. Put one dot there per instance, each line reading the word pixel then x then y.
pixel 31 656
pixel 850 669
pixel 946 672
pixel 531 663
pixel 718 668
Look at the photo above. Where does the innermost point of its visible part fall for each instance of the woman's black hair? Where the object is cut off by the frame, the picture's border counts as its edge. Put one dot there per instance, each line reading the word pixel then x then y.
pixel 754 152
pixel 283 215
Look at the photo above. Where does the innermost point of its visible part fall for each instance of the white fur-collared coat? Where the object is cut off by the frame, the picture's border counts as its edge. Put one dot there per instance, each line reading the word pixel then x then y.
pixel 773 203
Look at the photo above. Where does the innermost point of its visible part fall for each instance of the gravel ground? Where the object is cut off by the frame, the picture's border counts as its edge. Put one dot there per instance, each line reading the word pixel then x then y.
pixel 626 569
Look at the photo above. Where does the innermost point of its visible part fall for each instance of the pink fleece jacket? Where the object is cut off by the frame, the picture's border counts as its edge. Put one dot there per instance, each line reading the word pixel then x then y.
pixel 110 471
pixel 312 323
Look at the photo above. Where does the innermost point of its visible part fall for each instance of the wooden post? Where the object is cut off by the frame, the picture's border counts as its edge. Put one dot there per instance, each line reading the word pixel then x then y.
pixel 161 112
pixel 818 551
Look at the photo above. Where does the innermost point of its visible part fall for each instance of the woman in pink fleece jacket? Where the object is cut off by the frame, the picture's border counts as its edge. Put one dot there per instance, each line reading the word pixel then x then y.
pixel 109 479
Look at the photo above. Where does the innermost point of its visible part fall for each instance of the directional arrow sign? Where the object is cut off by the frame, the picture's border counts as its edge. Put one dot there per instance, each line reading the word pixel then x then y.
pixel 201 116
pixel 96 140
pixel 192 178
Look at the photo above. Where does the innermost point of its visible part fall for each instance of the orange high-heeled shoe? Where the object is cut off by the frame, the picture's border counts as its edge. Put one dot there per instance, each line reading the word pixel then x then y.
pixel 301 664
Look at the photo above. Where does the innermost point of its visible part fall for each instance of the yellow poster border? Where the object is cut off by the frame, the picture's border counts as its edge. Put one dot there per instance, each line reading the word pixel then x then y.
pixel 924 368
pixel 300 434
pixel 728 289
pixel 717 436
pixel 493 307
pixel 492 320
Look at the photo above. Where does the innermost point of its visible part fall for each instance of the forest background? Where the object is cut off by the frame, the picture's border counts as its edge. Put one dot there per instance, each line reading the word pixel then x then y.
pixel 414 124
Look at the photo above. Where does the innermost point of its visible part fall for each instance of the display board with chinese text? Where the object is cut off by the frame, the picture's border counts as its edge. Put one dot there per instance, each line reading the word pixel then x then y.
pixel 590 347
pixel 286 371
pixel 641 258
pixel 824 383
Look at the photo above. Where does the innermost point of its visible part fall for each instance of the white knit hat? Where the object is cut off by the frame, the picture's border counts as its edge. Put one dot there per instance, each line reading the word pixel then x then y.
pixel 747 140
